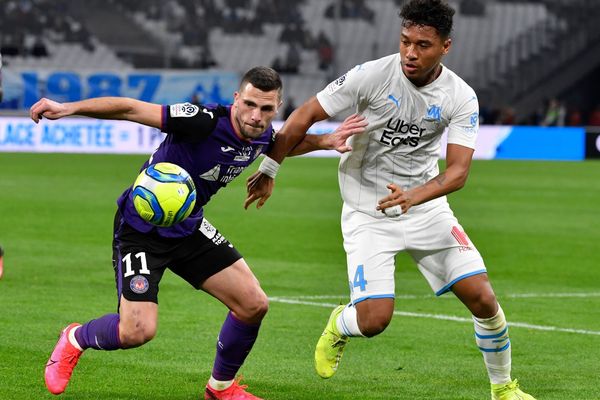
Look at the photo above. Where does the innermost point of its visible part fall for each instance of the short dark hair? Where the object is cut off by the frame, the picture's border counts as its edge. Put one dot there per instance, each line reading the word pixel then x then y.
pixel 434 13
pixel 263 78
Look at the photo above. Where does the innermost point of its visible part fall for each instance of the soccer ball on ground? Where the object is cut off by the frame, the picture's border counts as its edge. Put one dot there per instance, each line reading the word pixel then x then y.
pixel 164 194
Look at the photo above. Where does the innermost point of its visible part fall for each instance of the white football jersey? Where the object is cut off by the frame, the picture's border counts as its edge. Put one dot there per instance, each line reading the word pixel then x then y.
pixel 402 141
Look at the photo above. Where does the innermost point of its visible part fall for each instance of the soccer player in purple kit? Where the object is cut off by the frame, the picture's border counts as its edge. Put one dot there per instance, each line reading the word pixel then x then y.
pixel 214 144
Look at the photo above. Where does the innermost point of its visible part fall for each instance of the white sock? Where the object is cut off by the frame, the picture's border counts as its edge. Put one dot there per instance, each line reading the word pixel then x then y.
pixel 347 322
pixel 72 340
pixel 219 385
pixel 491 335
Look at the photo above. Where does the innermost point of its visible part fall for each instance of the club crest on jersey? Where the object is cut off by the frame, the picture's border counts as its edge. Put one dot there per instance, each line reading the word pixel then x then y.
pixel 139 284
pixel 434 113
pixel 183 110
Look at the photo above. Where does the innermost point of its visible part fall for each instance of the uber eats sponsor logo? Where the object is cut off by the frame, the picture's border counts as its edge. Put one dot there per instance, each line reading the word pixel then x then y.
pixel 398 132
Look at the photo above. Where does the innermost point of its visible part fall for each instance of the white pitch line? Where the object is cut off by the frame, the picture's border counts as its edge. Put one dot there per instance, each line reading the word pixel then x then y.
pixel 443 317
pixel 546 295
pixel 430 296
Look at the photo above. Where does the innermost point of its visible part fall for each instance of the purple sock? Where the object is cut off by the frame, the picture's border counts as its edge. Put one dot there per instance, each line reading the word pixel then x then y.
pixel 100 334
pixel 233 345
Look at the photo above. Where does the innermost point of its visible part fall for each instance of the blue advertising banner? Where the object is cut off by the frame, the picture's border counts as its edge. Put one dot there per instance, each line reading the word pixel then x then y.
pixel 88 135
pixel 543 143
pixel 77 135
pixel 22 88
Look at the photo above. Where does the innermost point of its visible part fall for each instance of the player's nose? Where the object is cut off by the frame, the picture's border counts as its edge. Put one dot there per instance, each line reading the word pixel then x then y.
pixel 256 115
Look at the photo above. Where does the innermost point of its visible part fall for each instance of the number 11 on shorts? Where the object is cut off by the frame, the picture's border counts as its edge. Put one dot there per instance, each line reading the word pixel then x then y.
pixel 143 264
pixel 359 278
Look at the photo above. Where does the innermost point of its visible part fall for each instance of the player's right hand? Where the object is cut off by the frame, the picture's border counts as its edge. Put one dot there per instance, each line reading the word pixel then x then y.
pixel 47 108
pixel 259 187
pixel 397 198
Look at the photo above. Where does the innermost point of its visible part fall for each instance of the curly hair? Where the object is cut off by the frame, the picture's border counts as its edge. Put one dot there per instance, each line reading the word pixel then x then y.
pixel 434 13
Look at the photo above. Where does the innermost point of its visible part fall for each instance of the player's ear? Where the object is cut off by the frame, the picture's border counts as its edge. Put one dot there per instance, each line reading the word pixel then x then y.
pixel 447 44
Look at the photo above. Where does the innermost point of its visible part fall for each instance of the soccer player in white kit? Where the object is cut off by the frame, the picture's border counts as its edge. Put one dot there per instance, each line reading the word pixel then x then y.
pixel 394 194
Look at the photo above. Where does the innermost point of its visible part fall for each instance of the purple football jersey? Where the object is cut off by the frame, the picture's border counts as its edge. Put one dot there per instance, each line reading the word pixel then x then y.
pixel 202 141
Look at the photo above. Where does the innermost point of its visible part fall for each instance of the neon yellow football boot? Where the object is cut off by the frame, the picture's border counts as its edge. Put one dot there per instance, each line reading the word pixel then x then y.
pixel 330 346
pixel 509 391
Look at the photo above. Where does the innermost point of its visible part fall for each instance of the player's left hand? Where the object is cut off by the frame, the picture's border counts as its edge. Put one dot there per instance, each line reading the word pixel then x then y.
pixel 259 187
pixel 47 108
pixel 397 198
pixel 353 125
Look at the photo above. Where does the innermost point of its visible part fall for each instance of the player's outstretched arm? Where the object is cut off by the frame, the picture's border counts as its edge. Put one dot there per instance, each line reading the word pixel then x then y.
pixel 103 108
pixel 260 184
pixel 353 125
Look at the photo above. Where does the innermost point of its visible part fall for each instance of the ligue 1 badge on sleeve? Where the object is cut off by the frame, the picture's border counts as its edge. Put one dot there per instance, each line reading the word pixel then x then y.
pixel 184 110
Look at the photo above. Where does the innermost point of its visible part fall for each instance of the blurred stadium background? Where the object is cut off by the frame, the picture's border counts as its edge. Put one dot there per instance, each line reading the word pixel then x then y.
pixel 531 62
pixel 531 205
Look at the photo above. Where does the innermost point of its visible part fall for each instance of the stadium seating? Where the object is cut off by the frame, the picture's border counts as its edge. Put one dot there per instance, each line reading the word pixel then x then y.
pixel 498 45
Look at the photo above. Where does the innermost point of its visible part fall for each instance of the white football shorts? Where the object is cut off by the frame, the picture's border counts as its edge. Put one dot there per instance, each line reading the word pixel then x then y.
pixel 430 233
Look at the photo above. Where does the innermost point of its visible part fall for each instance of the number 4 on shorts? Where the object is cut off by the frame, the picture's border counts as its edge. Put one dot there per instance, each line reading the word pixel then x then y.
pixel 359 278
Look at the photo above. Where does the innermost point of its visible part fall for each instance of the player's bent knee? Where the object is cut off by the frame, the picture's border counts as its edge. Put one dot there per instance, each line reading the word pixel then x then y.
pixel 373 325
pixel 485 305
pixel 253 310
pixel 136 336
pixel 374 329
pixel 374 315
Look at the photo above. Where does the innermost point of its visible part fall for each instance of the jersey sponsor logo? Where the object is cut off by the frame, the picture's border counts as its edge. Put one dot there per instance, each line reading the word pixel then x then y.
pixel 434 113
pixel 396 101
pixel 335 85
pixel 398 132
pixel 212 174
pixel 183 110
pixel 231 173
pixel 225 149
pixel 139 284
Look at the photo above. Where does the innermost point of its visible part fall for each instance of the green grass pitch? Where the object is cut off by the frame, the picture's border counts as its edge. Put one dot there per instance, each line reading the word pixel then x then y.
pixel 537 225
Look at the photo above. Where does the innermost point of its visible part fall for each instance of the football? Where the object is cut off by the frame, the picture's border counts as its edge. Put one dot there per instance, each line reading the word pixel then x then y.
pixel 164 194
